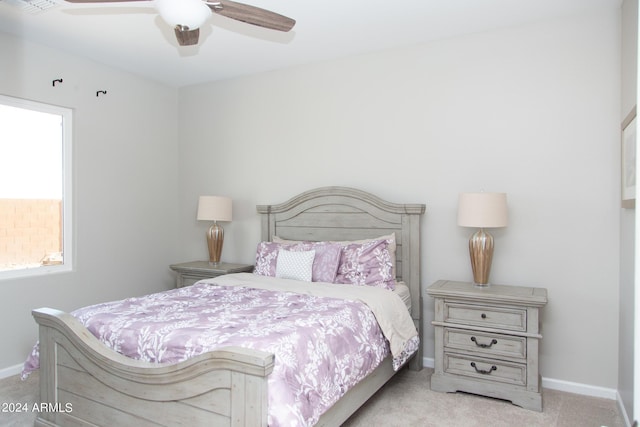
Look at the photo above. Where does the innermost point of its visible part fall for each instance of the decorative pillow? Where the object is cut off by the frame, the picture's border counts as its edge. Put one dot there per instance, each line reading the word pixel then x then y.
pixel 267 258
pixel 391 238
pixel 366 264
pixel 326 261
pixel 325 264
pixel 295 264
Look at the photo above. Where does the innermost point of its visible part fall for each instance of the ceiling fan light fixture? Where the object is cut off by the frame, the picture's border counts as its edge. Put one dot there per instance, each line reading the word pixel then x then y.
pixel 184 13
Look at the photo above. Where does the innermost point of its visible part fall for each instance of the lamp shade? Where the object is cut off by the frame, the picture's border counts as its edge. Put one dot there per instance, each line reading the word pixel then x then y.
pixel 188 13
pixel 482 210
pixel 214 208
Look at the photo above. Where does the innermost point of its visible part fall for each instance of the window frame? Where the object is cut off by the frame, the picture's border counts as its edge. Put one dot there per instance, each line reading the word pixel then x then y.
pixel 67 188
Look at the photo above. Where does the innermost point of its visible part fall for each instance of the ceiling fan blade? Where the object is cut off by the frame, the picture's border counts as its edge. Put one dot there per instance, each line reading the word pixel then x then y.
pixel 185 36
pixel 251 15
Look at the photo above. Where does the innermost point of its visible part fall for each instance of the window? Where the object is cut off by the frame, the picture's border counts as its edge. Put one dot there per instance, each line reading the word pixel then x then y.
pixel 35 188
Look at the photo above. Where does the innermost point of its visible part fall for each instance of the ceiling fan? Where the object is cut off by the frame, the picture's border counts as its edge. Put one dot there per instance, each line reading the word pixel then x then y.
pixel 186 16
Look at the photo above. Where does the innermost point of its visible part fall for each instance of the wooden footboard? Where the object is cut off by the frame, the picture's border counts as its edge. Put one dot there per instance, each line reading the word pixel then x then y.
pixel 84 383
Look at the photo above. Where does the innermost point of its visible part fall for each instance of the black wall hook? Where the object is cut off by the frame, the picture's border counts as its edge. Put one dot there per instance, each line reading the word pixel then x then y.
pixel 53 83
pixel 104 92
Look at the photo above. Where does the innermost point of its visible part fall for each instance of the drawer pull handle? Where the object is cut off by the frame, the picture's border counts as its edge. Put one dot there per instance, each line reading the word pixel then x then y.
pixel 484 316
pixel 482 371
pixel 493 341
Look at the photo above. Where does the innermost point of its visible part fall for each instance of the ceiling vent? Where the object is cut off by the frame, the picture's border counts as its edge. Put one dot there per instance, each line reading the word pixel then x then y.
pixel 34 6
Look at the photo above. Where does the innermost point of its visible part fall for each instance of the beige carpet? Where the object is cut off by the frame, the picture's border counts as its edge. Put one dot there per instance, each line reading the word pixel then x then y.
pixel 408 401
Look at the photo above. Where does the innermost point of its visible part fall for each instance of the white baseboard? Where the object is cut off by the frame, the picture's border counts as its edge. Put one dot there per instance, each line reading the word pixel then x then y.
pixel 10 371
pixel 578 388
pixel 623 411
pixel 560 385
pixel 428 362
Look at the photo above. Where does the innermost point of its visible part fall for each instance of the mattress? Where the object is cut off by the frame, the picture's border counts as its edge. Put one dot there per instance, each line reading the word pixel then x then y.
pixel 402 290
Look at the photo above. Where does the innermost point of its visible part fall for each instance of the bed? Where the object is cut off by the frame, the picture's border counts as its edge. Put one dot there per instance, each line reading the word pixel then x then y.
pixel 228 386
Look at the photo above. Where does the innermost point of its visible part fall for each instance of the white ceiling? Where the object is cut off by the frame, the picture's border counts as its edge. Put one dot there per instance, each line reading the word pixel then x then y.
pixel 131 36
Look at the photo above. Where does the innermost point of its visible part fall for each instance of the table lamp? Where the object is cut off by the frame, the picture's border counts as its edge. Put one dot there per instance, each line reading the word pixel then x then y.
pixel 482 210
pixel 214 208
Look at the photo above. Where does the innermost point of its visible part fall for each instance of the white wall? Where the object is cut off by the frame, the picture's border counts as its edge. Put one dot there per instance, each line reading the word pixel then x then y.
pixel 126 186
pixel 532 111
pixel 629 73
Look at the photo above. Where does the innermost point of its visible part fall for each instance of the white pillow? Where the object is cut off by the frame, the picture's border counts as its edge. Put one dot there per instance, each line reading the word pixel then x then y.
pixel 295 265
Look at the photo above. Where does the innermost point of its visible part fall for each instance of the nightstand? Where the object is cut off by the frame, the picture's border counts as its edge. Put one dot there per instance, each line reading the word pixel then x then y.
pixel 190 272
pixel 487 339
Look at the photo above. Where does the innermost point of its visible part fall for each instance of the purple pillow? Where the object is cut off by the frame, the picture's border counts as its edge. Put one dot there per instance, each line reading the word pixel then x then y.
pixel 325 263
pixel 367 264
pixel 267 258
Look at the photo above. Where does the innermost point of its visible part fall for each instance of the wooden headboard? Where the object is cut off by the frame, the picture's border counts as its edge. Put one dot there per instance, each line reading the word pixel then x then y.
pixel 342 213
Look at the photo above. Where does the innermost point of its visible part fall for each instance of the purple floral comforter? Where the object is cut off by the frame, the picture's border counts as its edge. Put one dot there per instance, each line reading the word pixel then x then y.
pixel 323 345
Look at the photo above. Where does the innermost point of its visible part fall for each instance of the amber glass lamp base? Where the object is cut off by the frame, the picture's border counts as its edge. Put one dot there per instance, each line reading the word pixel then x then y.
pixel 481 253
pixel 215 239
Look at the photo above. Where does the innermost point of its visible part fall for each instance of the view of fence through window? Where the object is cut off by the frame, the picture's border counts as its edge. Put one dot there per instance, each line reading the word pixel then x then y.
pixel 31 188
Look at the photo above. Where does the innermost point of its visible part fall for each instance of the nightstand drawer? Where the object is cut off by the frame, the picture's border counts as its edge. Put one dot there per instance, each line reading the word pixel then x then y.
pixel 188 280
pixel 513 319
pixel 486 369
pixel 492 345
